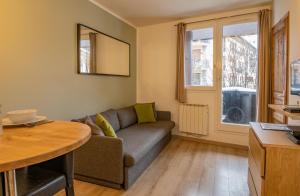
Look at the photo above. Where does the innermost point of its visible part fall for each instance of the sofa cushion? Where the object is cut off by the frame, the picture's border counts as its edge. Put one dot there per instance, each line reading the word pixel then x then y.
pixel 112 117
pixel 105 126
pixel 139 139
pixel 154 110
pixel 81 120
pixel 96 130
pixel 127 117
pixel 144 112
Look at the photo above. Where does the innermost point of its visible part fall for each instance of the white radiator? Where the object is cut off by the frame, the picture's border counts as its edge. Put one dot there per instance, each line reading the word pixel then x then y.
pixel 193 118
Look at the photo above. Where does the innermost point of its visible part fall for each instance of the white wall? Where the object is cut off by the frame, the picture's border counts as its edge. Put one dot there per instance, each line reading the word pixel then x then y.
pixel 157 75
pixel 280 8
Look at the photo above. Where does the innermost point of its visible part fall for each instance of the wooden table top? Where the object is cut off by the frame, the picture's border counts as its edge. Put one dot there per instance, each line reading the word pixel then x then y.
pixel 269 138
pixel 21 147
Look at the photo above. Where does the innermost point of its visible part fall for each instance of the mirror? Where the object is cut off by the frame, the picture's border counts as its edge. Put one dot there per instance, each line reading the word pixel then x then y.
pixel 295 78
pixel 101 54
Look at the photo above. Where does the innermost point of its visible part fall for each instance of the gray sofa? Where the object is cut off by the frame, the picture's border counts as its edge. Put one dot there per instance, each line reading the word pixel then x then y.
pixel 118 162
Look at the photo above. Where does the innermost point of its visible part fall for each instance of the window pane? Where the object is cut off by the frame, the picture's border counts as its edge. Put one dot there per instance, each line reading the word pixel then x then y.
pixel 239 73
pixel 199 57
pixel 84 56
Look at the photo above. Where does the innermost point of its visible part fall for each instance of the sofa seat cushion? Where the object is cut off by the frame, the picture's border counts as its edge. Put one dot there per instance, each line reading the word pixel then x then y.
pixel 139 139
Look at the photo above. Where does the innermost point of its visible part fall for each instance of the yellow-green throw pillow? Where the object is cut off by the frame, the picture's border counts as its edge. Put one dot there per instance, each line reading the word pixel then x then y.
pixel 105 126
pixel 144 112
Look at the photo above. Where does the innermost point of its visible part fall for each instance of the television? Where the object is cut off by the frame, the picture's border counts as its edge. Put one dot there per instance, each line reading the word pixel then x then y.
pixel 295 77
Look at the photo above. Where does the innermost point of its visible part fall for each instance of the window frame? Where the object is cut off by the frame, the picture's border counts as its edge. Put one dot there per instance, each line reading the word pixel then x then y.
pixel 221 126
pixel 204 25
pixel 217 26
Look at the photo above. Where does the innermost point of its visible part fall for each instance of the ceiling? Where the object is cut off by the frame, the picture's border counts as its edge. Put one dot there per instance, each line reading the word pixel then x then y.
pixel 147 12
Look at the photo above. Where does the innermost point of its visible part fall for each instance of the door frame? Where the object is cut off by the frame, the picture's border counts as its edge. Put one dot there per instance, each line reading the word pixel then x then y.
pixel 219 126
pixel 284 22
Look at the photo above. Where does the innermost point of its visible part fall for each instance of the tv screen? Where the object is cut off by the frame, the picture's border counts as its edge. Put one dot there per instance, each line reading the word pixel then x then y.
pixel 295 78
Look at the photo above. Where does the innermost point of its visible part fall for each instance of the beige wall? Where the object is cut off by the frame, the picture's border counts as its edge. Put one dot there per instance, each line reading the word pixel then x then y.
pixel 112 56
pixel 38 60
pixel 280 8
pixel 157 75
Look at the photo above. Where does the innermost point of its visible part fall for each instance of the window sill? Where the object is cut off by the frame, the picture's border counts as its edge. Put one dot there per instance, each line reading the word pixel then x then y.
pixel 200 88
pixel 233 128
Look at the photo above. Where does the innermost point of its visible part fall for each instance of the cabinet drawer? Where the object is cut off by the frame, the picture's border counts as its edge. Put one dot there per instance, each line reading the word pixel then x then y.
pixel 251 184
pixel 257 180
pixel 258 153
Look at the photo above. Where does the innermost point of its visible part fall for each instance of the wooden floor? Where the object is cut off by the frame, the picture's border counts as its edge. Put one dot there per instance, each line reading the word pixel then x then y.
pixel 185 168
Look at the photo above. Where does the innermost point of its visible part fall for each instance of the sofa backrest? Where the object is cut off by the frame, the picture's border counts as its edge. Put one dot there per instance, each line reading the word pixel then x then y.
pixel 112 117
pixel 120 118
pixel 127 116
pixel 96 130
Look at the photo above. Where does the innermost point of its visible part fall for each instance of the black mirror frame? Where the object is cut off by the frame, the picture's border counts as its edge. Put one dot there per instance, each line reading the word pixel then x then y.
pixel 78 52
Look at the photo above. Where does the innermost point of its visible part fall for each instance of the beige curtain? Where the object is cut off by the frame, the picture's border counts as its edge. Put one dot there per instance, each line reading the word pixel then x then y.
pixel 264 65
pixel 93 50
pixel 180 89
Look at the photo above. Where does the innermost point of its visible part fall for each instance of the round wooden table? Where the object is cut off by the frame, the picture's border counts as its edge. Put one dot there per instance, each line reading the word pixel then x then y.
pixel 21 147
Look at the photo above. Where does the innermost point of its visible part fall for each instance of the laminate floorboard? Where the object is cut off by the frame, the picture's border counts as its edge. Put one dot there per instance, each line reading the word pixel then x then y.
pixel 185 168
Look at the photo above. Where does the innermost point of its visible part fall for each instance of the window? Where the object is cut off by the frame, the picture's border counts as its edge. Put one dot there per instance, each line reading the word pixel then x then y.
pixel 222 56
pixel 199 57
pixel 85 56
pixel 239 73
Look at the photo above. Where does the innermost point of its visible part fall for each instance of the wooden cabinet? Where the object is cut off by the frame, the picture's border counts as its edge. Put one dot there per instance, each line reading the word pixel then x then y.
pixel 257 154
pixel 251 184
pixel 274 163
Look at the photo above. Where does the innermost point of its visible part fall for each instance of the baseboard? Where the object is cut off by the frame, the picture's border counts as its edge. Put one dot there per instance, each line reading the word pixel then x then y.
pixel 237 146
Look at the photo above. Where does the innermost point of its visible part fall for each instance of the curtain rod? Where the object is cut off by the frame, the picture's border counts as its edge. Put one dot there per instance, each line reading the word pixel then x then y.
pixel 221 18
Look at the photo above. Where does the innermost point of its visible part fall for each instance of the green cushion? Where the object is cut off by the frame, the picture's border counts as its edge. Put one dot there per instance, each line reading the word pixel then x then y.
pixel 144 112
pixel 105 126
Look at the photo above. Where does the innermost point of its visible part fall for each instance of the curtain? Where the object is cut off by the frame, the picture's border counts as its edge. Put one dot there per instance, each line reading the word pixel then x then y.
pixel 180 88
pixel 264 65
pixel 93 48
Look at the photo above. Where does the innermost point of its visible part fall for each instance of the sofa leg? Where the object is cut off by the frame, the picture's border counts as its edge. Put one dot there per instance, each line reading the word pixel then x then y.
pixel 125 186
pixel 69 191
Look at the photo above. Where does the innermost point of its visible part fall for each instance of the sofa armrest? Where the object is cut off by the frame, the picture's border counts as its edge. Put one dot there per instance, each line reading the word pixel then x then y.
pixel 101 158
pixel 163 115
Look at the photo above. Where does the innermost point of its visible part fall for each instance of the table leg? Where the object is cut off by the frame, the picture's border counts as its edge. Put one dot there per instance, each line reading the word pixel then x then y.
pixel 10 183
